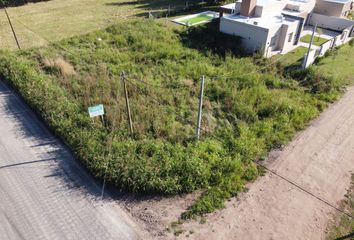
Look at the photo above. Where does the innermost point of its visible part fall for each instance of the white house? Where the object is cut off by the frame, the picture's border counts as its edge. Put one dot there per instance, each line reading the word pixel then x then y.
pixel 275 26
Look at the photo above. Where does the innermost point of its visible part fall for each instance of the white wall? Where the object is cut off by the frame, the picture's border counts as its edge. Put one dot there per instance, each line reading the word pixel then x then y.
pixel 254 37
pixel 333 23
pixel 310 59
pixel 329 8
pixel 292 27
pixel 343 38
pixel 258 38
pixel 325 47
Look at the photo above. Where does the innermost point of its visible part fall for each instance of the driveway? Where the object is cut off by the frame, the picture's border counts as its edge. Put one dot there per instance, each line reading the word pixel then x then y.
pixel 44 192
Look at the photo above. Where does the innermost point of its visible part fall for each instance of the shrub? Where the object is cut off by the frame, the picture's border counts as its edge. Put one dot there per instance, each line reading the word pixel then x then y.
pixel 351 42
pixel 18 2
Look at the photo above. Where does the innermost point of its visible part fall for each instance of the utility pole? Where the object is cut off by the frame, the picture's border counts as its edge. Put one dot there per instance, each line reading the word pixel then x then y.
pixel 200 107
pixel 310 45
pixel 12 28
pixel 130 122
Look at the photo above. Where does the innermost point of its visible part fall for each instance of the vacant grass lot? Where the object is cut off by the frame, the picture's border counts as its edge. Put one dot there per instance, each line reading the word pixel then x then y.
pixel 318 41
pixel 247 111
pixel 58 19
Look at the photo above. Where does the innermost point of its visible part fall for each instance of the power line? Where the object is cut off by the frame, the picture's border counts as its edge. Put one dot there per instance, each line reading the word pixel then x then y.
pixel 275 173
pixel 304 190
pixel 51 42
pixel 12 28
pixel 179 86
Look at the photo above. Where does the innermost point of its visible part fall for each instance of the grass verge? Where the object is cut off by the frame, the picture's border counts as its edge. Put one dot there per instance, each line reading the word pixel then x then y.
pixel 247 112
pixel 343 227
pixel 59 19
pixel 318 41
pixel 292 58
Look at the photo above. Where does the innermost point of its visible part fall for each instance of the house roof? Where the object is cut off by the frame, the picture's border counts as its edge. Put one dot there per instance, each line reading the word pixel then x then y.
pixel 267 22
pixel 339 1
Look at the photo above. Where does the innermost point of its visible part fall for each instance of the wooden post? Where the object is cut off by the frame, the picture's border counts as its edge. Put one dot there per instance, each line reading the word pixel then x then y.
pixel 12 28
pixel 130 122
pixel 102 119
pixel 200 107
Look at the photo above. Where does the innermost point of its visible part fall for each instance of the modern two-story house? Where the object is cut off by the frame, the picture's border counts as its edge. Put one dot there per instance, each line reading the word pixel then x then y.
pixel 275 26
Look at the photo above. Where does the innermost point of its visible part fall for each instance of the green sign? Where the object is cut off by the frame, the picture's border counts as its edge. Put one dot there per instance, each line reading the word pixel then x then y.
pixel 96 111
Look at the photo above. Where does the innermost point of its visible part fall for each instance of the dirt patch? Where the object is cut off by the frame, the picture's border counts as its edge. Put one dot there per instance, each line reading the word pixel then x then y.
pixel 159 215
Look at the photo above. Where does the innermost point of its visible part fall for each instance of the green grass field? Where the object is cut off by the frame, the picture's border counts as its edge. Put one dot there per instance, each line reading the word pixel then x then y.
pixel 292 58
pixel 339 64
pixel 197 19
pixel 58 19
pixel 318 41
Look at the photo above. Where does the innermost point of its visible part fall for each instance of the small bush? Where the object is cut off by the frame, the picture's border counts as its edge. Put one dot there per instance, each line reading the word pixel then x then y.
pixel 13 3
pixel 351 42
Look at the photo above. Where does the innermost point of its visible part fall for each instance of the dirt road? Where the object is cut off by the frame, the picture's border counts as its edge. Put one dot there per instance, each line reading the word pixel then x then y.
pixel 320 159
pixel 44 192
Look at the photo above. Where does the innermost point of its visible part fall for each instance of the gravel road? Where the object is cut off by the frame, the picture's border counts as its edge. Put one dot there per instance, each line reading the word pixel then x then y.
pixel 320 159
pixel 44 192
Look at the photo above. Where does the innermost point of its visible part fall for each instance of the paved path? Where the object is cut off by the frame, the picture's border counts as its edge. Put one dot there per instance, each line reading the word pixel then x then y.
pixel 44 192
pixel 320 159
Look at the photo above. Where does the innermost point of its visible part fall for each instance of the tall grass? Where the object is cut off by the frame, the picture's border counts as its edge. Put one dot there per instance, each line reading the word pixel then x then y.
pixel 246 112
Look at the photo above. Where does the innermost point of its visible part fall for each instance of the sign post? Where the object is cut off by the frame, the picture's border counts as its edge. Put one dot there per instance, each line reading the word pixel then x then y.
pixel 96 111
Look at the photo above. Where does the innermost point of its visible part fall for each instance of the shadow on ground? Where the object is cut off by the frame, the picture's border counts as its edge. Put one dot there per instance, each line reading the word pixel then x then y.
pixel 207 38
pixel 164 8
pixel 346 237
pixel 55 156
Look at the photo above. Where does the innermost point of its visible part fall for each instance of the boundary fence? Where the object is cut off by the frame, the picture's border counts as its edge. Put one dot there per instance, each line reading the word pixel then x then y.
pixel 345 37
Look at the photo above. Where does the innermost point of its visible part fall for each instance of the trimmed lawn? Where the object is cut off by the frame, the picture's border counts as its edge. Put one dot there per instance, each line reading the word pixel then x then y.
pixel 340 64
pixel 318 41
pixel 293 57
pixel 59 19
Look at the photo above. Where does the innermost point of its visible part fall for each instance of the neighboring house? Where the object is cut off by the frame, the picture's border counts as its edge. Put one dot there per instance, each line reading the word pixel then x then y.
pixel 334 8
pixel 275 26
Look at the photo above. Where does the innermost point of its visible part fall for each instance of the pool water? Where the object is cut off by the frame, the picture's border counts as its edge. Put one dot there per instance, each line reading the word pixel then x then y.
pixel 198 19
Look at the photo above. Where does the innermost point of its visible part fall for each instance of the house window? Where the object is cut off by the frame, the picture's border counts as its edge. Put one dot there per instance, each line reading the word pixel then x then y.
pixel 343 36
pixel 290 37
pixel 273 40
